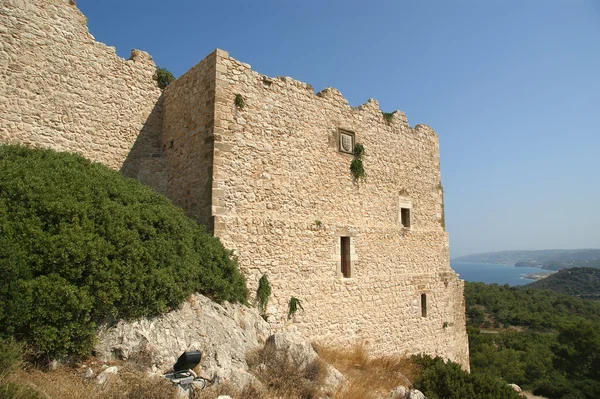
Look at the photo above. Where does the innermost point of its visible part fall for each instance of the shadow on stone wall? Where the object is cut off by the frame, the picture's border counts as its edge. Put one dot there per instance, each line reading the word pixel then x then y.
pixel 146 162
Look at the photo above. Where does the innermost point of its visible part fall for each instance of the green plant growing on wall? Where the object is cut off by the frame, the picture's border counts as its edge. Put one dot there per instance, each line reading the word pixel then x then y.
pixel 164 77
pixel 388 116
pixel 356 167
pixel 262 293
pixel 293 305
pixel 318 223
pixel 239 101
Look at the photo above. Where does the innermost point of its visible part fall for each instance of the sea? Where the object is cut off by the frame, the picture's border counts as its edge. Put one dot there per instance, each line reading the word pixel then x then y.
pixel 490 274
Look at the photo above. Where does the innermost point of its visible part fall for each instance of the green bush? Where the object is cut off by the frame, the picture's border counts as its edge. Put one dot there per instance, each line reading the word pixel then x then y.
pixel 79 244
pixel 164 77
pixel 262 293
pixel 356 166
pixel 441 380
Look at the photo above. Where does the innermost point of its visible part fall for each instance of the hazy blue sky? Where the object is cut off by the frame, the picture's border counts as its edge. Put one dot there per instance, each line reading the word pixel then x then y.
pixel 512 88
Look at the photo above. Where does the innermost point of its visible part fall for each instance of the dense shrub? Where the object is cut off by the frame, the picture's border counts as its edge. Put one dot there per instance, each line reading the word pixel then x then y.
pixel 79 243
pixel 446 380
pixel 164 77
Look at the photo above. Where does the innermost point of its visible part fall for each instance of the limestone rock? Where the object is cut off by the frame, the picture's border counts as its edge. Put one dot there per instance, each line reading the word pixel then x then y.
pixel 223 333
pixel 515 387
pixel 400 392
pixel 141 57
pixel 291 348
pixel 101 379
pixel 416 394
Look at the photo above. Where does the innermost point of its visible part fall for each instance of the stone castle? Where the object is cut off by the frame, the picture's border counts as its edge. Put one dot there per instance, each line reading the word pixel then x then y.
pixel 265 164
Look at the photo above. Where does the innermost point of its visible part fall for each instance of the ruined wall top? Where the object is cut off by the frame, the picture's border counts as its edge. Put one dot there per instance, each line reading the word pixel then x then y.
pixel 60 88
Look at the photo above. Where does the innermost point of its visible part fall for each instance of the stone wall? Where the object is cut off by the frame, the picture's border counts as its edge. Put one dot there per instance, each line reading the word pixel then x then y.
pixel 283 195
pixel 268 176
pixel 59 88
pixel 187 140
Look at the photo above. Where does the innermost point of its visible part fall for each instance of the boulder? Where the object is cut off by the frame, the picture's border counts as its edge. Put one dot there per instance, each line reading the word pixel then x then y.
pixel 515 387
pixel 224 333
pixel 416 394
pixel 101 379
pixel 400 392
pixel 289 347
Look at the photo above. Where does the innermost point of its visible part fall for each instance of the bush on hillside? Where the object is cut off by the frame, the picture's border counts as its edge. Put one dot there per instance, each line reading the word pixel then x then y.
pixel 79 244
pixel 447 380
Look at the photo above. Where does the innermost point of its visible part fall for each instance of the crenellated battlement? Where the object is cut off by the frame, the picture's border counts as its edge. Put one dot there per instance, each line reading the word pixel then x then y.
pixel 264 162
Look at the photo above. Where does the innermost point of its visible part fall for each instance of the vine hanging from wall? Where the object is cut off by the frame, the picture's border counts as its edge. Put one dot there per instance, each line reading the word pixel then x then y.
pixel 356 167
pixel 293 306
pixel 262 294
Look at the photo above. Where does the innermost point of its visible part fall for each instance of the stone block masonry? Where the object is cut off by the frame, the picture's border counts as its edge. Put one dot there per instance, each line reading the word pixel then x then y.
pixel 268 175
pixel 59 88
pixel 282 196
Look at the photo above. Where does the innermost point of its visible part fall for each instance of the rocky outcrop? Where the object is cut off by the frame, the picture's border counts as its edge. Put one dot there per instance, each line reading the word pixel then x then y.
pixel 223 333
pixel 289 347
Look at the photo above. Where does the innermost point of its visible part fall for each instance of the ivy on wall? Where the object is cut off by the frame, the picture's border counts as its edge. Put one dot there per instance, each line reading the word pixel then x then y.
pixel 356 167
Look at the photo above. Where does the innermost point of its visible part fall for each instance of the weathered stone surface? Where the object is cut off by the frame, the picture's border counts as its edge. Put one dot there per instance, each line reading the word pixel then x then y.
pixel 289 347
pixel 60 88
pixel 277 169
pixel 400 392
pixel 223 333
pixel 102 377
pixel 416 394
pixel 515 387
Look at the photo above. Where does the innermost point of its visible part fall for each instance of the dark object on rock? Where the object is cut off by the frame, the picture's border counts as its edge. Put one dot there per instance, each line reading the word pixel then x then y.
pixel 187 361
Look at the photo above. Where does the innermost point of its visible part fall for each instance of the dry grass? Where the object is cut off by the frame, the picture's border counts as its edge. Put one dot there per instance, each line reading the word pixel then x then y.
pixel 285 380
pixel 68 383
pixel 368 377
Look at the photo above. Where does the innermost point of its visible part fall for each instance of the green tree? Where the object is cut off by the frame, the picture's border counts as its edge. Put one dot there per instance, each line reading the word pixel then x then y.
pixel 79 243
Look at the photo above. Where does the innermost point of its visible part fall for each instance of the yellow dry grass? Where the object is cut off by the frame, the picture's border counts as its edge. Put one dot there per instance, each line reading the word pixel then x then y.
pixel 368 377
pixel 68 383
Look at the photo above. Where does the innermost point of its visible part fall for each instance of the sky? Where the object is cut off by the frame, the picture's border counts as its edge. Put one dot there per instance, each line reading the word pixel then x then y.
pixel 511 87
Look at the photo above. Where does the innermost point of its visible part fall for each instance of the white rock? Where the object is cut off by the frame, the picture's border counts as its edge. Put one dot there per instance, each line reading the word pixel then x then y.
pixel 223 333
pixel 416 394
pixel 515 387
pixel 89 373
pixel 399 392
pixel 101 379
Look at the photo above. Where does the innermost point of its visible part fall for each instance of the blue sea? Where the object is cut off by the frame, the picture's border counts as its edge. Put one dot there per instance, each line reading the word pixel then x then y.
pixel 489 274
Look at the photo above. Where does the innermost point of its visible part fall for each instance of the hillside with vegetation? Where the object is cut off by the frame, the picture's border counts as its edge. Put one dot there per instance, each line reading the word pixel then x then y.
pixel 81 244
pixel 583 282
pixel 542 340
pixel 550 259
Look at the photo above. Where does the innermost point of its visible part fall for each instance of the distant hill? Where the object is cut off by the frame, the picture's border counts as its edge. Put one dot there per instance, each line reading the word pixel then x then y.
pixel 583 282
pixel 549 259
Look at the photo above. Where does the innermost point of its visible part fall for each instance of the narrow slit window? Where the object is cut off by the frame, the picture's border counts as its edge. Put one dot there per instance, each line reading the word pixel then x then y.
pixel 405 217
pixel 423 305
pixel 345 256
